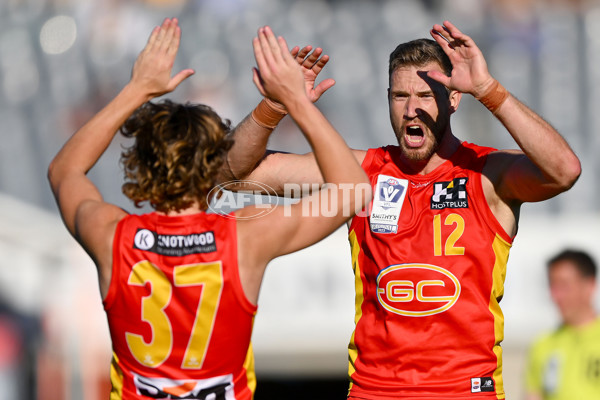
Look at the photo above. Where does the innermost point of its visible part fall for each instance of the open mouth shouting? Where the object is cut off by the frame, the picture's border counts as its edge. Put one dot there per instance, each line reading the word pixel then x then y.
pixel 414 135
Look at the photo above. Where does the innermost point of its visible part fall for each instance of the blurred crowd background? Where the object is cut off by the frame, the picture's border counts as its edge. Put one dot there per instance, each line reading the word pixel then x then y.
pixel 62 60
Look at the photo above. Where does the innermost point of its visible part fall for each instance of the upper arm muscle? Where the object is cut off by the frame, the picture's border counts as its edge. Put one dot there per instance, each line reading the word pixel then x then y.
pixel 278 169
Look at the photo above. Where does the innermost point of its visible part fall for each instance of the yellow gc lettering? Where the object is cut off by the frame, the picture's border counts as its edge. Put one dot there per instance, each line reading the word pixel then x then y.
pixel 155 352
pixel 431 299
pixel 402 289
pixel 395 292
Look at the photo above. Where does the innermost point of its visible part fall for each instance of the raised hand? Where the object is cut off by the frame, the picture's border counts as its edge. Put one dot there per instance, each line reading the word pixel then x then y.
pixel 279 76
pixel 312 64
pixel 469 69
pixel 151 72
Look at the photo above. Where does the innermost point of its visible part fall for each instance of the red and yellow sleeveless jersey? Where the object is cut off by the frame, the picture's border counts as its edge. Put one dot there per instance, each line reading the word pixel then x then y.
pixel 429 259
pixel 179 320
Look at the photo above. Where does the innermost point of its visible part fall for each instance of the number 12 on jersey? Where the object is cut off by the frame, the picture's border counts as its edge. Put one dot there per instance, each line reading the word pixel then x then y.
pixel 449 248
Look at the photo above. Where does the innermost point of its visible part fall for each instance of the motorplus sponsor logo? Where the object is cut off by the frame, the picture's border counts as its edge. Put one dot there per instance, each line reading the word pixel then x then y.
pixel 417 290
pixel 234 195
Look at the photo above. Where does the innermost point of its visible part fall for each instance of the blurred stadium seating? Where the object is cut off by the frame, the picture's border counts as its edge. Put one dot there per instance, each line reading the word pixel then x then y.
pixel 61 60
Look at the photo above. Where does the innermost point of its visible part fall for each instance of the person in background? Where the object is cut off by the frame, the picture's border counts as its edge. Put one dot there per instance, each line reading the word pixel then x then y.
pixel 565 363
pixel 180 286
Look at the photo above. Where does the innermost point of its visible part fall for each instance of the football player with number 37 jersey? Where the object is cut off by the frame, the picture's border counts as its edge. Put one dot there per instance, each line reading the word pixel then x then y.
pixel 180 285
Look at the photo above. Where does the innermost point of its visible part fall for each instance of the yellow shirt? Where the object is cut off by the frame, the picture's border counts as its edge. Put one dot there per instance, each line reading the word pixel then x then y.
pixel 565 364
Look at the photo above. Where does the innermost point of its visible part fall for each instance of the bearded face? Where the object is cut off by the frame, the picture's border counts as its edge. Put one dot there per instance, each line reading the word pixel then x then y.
pixel 420 110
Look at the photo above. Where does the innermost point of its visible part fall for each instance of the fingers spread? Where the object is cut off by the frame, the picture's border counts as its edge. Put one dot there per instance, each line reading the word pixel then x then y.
pixel 303 53
pixel 319 65
pixel 312 58
pixel 323 87
pixel 294 52
pixel 180 77
pixel 451 34
pixel 440 77
pixel 441 39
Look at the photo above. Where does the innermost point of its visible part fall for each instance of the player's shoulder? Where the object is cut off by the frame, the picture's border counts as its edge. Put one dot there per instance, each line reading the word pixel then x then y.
pixel 376 155
pixel 359 155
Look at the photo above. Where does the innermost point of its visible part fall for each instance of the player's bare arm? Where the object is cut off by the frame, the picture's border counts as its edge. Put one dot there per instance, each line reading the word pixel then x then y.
pixel 87 217
pixel 278 169
pixel 545 166
pixel 278 77
pixel 252 134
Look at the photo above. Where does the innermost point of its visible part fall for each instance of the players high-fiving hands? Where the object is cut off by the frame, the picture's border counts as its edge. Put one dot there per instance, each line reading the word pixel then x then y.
pixel 278 76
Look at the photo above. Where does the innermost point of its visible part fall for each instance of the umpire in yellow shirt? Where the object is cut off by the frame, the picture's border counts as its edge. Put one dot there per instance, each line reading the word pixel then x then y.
pixel 565 364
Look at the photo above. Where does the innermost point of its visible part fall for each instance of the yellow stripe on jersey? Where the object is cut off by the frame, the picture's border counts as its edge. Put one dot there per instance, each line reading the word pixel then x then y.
pixel 501 249
pixel 116 379
pixel 358 284
pixel 249 366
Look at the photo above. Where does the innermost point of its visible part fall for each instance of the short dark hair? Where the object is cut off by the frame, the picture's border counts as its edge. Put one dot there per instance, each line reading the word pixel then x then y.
pixel 417 53
pixel 581 260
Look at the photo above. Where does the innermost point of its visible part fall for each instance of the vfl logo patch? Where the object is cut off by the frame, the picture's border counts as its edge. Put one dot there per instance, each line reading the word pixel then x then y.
pixel 390 190
pixel 174 245
pixel 452 194
pixel 417 290
pixel 485 384
pixel 389 196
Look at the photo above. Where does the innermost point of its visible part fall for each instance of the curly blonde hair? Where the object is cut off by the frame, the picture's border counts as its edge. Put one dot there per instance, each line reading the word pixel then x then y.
pixel 177 154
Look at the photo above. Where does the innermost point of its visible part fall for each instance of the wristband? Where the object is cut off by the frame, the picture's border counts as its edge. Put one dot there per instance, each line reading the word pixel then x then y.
pixel 494 97
pixel 266 116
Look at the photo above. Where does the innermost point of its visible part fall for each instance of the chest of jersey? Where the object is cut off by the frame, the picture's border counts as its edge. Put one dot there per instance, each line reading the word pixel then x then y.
pixel 429 260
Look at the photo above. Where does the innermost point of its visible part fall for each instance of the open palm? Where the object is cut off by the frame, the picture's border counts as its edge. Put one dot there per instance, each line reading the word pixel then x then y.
pixel 469 70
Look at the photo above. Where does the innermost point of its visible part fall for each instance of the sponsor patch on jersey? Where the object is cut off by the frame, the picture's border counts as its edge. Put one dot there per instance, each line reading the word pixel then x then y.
pixel 217 388
pixel 451 194
pixel 417 290
pixel 175 245
pixel 388 198
pixel 485 384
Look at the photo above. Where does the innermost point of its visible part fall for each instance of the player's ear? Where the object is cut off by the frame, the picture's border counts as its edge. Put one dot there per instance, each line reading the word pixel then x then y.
pixel 454 98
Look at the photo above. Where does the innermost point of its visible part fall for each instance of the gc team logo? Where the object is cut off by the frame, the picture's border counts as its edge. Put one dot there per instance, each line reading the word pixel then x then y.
pixel 233 195
pixel 417 290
